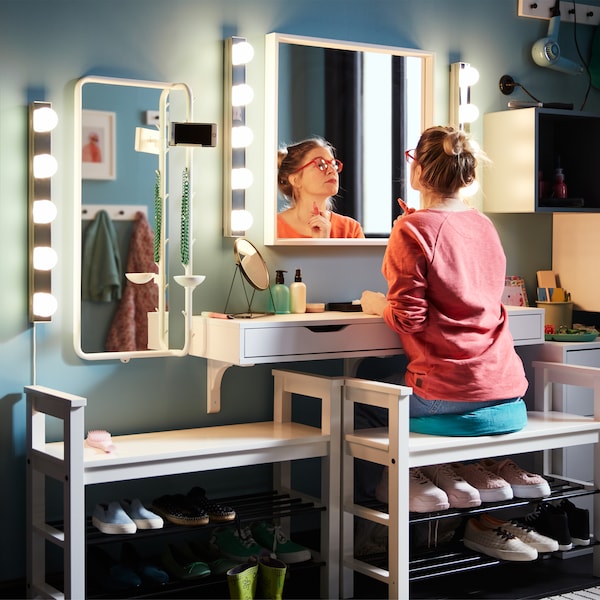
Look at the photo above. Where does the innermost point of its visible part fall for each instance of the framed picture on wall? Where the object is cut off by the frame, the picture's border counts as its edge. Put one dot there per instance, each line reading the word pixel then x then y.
pixel 98 146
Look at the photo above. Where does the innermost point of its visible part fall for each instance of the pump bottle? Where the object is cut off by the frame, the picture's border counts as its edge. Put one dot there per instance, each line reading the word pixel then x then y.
pixel 298 294
pixel 280 295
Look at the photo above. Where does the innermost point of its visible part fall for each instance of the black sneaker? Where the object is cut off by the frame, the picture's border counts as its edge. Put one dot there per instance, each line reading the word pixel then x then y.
pixel 552 522
pixel 579 522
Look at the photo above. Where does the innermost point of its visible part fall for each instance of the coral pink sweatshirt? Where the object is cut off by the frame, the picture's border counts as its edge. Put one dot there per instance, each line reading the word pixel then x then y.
pixel 445 273
pixel 341 227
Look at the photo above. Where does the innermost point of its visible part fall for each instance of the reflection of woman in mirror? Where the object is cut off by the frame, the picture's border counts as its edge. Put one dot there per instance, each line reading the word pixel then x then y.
pixel 308 177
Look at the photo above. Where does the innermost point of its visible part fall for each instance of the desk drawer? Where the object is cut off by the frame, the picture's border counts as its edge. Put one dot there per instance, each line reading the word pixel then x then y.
pixel 526 327
pixel 318 340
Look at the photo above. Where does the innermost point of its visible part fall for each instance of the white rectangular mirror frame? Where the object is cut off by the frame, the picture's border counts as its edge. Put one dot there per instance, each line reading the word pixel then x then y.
pixel 272 141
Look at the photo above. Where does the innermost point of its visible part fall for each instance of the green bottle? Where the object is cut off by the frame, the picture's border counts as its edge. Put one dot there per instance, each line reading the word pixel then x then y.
pixel 280 295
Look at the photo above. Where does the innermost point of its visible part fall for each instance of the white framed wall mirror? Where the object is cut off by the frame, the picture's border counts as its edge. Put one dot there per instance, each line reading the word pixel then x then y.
pixel 370 102
pixel 132 189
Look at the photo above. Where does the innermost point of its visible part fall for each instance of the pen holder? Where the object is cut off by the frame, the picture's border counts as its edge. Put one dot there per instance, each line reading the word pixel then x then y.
pixel 557 313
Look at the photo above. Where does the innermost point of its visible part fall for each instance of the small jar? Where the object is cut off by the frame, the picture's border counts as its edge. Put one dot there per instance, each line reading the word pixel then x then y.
pixel 559 189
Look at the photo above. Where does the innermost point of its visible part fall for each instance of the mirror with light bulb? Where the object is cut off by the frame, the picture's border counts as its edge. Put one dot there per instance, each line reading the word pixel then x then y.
pixel 369 102
pixel 132 219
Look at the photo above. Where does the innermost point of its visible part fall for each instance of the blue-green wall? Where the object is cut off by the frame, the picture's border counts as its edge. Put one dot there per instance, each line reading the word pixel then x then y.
pixel 46 45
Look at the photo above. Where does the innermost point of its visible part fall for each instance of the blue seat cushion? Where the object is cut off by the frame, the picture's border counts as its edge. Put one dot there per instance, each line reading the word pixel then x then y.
pixel 491 420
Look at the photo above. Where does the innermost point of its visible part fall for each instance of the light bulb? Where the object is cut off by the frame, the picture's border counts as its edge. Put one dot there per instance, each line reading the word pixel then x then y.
pixel 241 94
pixel 468 76
pixel 43 211
pixel 44 258
pixel 241 179
pixel 44 166
pixel 241 220
pixel 44 119
pixel 44 304
pixel 241 53
pixel 468 113
pixel 241 137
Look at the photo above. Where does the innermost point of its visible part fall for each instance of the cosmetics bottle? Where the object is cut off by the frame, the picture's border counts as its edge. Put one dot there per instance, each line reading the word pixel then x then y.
pixel 298 294
pixel 560 187
pixel 280 295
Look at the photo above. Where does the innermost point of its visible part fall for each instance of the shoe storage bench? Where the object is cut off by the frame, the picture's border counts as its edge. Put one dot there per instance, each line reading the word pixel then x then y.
pixel 400 450
pixel 148 455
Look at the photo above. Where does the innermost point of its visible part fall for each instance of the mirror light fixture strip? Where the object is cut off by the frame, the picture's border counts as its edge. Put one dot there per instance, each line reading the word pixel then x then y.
pixel 462 111
pixel 42 211
pixel 236 137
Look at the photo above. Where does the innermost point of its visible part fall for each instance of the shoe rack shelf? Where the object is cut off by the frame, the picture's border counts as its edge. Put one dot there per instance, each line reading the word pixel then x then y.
pixel 147 455
pixel 252 507
pixel 397 448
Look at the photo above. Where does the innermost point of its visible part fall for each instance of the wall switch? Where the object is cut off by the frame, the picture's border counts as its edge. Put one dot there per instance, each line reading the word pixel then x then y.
pixel 585 14
pixel 153 116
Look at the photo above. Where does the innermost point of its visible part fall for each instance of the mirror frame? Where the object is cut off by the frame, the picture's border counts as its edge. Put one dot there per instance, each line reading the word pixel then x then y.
pixel 272 43
pixel 159 321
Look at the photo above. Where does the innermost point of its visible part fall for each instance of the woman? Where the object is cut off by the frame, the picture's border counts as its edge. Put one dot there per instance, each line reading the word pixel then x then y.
pixel 308 177
pixel 445 269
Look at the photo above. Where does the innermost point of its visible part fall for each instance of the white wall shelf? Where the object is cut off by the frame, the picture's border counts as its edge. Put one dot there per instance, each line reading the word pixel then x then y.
pixel 585 14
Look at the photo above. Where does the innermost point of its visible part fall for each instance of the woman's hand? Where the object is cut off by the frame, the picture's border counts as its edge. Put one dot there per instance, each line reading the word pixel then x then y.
pixel 373 303
pixel 319 223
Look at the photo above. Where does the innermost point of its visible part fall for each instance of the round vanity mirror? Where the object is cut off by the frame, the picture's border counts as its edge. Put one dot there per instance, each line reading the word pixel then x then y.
pixel 251 264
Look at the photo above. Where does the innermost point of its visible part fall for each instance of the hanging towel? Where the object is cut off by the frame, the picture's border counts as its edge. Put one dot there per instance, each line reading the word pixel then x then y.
pixel 129 328
pixel 101 273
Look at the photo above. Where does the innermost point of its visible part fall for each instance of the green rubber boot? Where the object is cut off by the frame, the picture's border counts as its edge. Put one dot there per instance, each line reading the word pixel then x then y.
pixel 271 575
pixel 242 581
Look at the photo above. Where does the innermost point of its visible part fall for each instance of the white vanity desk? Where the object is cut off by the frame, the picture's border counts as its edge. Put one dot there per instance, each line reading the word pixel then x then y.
pixel 313 336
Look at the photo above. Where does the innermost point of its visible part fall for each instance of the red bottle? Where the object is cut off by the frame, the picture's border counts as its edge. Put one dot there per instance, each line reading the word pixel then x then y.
pixel 559 189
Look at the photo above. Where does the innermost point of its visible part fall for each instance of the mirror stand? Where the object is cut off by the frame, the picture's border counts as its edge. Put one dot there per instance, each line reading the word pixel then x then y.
pixel 249 314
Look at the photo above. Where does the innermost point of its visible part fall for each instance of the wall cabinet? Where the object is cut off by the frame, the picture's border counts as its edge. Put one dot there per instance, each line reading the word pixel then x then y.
pixel 525 147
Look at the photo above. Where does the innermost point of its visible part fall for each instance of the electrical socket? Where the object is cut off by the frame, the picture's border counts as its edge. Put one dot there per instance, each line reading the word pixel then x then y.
pixel 585 14
pixel 152 117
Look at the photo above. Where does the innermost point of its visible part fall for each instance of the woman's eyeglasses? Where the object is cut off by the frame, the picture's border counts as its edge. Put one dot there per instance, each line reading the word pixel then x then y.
pixel 410 156
pixel 322 164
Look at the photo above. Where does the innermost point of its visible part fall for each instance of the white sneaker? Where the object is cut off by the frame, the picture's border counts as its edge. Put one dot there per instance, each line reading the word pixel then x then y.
pixel 497 542
pixel 525 533
pixel 424 495
pixel 461 494
pixel 491 487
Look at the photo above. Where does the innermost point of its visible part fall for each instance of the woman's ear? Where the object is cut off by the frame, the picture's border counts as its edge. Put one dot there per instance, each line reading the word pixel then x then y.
pixel 293 180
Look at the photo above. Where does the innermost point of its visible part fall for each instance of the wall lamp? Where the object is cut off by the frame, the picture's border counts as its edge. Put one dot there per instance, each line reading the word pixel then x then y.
pixel 42 211
pixel 462 112
pixel 237 137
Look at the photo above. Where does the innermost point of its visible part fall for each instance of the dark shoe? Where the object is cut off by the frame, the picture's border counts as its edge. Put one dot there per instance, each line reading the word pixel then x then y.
pixel 579 522
pixel 109 574
pixel 551 522
pixel 181 565
pixel 148 572
pixel 179 510
pixel 217 513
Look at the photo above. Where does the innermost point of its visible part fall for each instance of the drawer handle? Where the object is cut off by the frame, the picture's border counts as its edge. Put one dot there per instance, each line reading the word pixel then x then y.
pixel 325 328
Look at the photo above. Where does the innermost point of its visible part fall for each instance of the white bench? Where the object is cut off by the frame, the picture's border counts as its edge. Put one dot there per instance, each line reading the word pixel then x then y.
pixel 400 450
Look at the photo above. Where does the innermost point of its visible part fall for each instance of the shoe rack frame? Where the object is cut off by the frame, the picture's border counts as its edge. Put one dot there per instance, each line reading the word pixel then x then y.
pixel 399 450
pixel 147 455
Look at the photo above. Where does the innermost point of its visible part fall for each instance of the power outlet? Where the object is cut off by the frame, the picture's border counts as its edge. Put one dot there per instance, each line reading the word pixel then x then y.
pixel 585 14
pixel 152 117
